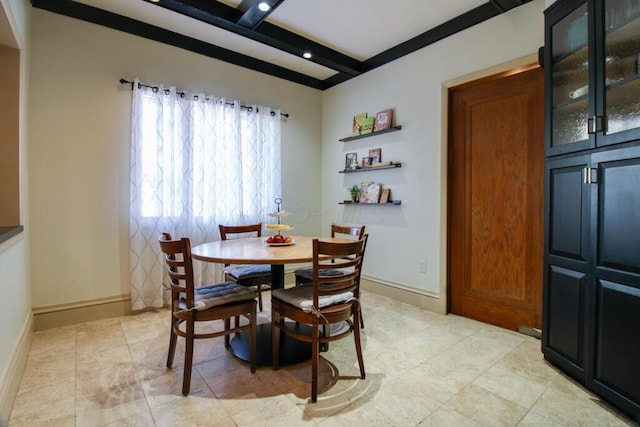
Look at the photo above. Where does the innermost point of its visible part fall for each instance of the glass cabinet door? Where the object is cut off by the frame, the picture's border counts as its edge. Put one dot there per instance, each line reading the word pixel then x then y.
pixel 570 78
pixel 621 65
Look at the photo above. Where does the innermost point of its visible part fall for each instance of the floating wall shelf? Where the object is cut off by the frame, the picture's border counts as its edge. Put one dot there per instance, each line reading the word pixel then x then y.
pixel 366 135
pixel 372 168
pixel 391 203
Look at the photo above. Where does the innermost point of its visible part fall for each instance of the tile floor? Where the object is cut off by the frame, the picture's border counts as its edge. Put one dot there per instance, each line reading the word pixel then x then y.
pixel 422 369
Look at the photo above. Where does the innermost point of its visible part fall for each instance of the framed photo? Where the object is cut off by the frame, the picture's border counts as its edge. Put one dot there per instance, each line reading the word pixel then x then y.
pixel 369 192
pixel 367 125
pixel 376 155
pixel 383 120
pixel 357 123
pixel 351 161
pixel 366 162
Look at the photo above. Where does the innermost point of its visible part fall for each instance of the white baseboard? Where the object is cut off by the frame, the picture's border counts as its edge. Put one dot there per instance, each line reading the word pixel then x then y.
pixel 419 298
pixel 10 381
pixel 54 316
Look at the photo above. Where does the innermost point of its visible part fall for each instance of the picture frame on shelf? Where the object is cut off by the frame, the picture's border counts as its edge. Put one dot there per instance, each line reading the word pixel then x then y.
pixel 369 192
pixel 351 161
pixel 357 123
pixel 366 162
pixel 376 155
pixel 367 125
pixel 383 120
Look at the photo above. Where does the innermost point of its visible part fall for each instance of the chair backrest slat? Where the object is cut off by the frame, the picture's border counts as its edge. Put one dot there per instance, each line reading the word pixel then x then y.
pixel 179 264
pixel 348 230
pixel 348 257
pixel 249 230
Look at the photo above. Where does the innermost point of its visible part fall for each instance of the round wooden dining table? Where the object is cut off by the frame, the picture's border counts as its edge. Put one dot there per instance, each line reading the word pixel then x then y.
pixel 255 250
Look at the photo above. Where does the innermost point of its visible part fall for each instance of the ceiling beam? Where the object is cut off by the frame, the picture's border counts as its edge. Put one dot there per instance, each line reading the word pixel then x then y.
pixel 252 15
pixel 122 23
pixel 505 5
pixel 225 17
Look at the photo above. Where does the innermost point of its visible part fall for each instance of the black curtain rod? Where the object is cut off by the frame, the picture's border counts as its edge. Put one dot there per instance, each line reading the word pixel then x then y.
pixel 156 88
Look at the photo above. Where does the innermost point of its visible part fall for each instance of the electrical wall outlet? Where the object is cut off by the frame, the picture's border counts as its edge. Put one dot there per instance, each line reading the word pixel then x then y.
pixel 423 266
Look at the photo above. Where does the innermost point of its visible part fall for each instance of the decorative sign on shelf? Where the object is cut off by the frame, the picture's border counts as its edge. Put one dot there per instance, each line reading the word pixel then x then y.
pixel 383 120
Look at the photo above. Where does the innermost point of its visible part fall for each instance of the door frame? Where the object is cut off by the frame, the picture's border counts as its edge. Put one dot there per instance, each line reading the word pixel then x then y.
pixel 501 70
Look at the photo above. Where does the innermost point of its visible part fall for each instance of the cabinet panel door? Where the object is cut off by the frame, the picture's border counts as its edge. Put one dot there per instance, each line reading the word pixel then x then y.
pixel 617 212
pixel 621 64
pixel 569 99
pixel 617 347
pixel 567 210
pixel 563 332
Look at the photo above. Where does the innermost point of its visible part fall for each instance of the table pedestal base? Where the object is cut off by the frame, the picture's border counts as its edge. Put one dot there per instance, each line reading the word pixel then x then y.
pixel 291 351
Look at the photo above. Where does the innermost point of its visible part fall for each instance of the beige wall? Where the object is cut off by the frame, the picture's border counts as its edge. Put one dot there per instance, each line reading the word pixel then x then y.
pixel 415 86
pixel 79 147
pixel 15 304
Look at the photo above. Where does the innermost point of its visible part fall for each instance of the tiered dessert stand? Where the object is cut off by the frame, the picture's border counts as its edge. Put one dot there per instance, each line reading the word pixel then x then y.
pixel 278 227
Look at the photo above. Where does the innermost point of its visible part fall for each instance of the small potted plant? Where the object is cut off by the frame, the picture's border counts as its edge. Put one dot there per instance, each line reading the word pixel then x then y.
pixel 354 190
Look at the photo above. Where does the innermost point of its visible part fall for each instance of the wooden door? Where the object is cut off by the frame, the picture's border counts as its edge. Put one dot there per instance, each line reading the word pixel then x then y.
pixel 496 194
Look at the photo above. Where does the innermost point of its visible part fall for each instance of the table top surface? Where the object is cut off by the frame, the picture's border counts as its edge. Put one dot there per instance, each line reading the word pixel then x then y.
pixel 254 250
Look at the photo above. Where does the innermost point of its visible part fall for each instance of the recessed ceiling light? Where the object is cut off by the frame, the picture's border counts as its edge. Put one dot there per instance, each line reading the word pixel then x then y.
pixel 306 55
pixel 264 6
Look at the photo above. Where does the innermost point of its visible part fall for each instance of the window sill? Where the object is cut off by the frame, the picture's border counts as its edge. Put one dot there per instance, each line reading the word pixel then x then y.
pixel 8 231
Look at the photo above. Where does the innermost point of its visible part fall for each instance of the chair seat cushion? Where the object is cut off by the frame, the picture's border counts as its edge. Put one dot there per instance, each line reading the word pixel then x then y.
pixel 221 294
pixel 241 272
pixel 307 273
pixel 302 296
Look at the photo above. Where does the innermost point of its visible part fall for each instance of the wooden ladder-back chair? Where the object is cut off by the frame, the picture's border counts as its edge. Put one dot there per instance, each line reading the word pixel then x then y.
pixel 328 300
pixel 258 275
pixel 305 275
pixel 191 304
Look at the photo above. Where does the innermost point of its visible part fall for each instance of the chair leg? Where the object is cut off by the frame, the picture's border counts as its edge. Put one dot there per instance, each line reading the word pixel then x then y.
pixel 326 331
pixel 253 336
pixel 172 344
pixel 356 337
pixel 260 297
pixel 361 318
pixel 275 338
pixel 188 357
pixel 315 358
pixel 227 326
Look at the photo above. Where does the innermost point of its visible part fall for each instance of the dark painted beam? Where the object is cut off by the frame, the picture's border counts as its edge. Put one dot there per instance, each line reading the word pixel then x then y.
pixel 252 15
pixel 225 17
pixel 505 5
pixel 452 26
pixel 118 22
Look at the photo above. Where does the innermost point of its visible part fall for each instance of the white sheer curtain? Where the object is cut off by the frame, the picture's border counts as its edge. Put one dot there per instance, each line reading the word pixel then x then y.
pixel 196 162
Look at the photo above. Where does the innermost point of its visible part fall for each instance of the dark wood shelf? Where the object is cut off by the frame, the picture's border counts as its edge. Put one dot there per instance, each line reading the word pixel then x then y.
pixel 380 132
pixel 372 168
pixel 391 203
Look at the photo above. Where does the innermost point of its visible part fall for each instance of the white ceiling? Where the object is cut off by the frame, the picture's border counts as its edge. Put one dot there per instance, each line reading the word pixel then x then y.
pixel 360 29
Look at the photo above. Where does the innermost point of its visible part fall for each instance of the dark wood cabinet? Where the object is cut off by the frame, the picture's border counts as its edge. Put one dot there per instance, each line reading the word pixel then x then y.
pixel 591 300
